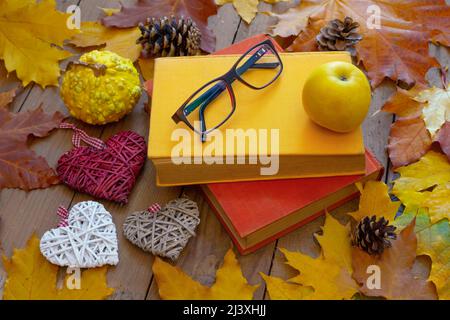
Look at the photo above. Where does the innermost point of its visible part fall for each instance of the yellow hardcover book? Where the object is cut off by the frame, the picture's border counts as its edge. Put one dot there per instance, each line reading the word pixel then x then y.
pixel 278 135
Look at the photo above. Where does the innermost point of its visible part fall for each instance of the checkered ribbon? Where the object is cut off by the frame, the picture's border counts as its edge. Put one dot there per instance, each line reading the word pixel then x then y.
pixel 79 135
pixel 63 215
pixel 154 208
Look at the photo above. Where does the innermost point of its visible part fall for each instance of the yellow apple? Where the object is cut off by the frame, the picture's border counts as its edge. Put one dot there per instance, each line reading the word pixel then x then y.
pixel 337 96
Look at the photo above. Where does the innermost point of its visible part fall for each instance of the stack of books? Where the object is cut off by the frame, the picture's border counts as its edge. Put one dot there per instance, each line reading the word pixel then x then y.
pixel 265 188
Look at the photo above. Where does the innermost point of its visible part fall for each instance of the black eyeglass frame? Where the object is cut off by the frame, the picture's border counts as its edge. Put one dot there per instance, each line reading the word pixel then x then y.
pixel 228 78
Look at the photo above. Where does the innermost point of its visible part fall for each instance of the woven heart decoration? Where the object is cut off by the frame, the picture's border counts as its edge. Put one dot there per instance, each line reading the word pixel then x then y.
pixel 163 232
pixel 86 238
pixel 103 170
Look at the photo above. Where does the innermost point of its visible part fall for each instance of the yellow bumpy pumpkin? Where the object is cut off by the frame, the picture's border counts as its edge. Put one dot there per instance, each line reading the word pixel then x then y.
pixel 101 88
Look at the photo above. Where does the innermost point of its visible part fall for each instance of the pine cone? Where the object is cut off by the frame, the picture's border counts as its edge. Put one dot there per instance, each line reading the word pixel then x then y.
pixel 339 36
pixel 373 236
pixel 169 37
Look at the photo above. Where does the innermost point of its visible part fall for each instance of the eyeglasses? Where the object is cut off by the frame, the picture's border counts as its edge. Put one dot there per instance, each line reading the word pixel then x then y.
pixel 259 67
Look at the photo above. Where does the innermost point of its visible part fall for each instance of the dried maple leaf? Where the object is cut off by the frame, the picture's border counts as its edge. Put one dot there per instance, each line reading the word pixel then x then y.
pixel 7 97
pixel 397 49
pixel 436 110
pixel 32 277
pixel 443 137
pixel 402 103
pixel 330 274
pixel 375 200
pixel 20 167
pixel 29 44
pixel 433 241
pixel 230 284
pixel 408 141
pixel 120 41
pixel 395 264
pixel 247 9
pixel 431 172
pixel 197 10
pixel 412 137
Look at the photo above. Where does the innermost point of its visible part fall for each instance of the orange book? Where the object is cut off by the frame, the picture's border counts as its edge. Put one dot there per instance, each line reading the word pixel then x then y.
pixel 304 149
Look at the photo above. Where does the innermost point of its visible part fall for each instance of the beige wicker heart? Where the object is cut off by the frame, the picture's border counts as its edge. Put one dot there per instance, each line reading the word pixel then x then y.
pixel 164 232
pixel 89 240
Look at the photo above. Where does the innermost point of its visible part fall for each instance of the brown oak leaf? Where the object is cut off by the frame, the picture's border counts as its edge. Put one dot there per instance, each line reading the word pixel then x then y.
pixel 409 140
pixel 20 167
pixel 443 137
pixel 396 48
pixel 197 10
pixel 395 270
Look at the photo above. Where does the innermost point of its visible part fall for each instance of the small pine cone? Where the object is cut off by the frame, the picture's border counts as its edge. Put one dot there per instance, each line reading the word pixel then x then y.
pixel 169 37
pixel 339 36
pixel 373 236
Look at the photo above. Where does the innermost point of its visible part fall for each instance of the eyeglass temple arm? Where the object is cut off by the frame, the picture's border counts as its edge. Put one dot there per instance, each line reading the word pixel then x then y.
pixel 218 88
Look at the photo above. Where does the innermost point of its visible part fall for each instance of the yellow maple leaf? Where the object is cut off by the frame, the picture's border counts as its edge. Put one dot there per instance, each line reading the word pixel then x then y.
pixel 120 41
pixel 30 36
pixel 413 186
pixel 230 284
pixel 437 108
pixel 280 289
pixel 375 200
pixel 32 277
pixel 433 240
pixel 247 9
pixel 330 274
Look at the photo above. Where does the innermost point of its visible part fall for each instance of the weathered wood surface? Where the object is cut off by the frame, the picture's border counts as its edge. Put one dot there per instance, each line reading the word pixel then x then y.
pixel 23 213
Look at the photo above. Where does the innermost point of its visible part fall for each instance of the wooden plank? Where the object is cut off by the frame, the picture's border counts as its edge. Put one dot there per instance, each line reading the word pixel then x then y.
pixel 22 212
pixel 131 277
pixel 204 253
pixel 35 211
pixel 376 129
pixel 224 25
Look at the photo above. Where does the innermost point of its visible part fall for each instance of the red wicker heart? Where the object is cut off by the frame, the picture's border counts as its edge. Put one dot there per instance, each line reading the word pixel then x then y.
pixel 104 170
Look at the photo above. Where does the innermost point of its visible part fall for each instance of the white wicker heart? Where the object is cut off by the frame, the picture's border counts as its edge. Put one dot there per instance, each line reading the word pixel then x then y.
pixel 89 240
